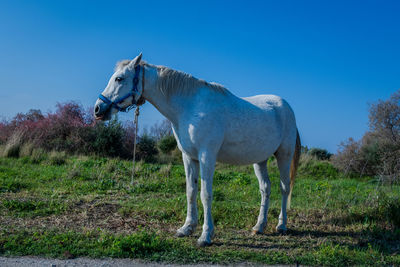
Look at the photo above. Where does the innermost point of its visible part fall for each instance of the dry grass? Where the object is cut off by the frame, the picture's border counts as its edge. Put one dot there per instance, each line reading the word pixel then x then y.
pixel 26 150
pixel 57 158
pixel 84 215
pixel 13 145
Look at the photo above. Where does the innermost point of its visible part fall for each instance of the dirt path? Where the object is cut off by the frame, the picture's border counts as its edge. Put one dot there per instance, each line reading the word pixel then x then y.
pixel 85 262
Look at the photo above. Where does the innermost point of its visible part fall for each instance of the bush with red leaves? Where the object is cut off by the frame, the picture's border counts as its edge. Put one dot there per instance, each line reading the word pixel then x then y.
pixel 70 128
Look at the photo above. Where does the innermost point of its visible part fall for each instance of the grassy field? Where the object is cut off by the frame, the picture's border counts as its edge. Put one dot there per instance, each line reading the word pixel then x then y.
pixel 57 206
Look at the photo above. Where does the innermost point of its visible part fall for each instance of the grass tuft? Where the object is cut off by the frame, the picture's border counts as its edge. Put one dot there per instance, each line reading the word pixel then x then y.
pixel 318 169
pixel 26 150
pixel 31 207
pixel 12 186
pixel 38 155
pixel 57 158
pixel 13 145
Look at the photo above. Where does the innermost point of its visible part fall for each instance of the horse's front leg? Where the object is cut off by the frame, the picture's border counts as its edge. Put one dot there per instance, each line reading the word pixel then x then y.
pixel 207 167
pixel 192 175
pixel 261 172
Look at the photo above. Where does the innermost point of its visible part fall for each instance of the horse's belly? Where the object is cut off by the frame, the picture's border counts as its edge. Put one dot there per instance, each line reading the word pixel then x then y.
pixel 245 153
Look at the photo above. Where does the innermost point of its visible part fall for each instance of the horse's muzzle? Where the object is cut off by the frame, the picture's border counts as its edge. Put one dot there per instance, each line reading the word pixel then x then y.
pixel 100 111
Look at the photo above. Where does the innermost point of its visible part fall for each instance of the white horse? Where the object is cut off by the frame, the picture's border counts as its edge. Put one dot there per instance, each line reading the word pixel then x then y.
pixel 211 124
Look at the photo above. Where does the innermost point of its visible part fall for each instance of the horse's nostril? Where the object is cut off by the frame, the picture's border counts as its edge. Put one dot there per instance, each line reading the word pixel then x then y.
pixel 97 110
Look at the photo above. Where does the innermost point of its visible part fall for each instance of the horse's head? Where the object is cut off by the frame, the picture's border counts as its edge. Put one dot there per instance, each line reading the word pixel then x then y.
pixel 123 90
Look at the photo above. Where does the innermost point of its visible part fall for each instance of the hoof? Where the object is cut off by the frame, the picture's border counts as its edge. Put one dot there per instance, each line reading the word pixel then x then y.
pixel 185 231
pixel 179 234
pixel 205 239
pixel 281 231
pixel 203 243
pixel 256 232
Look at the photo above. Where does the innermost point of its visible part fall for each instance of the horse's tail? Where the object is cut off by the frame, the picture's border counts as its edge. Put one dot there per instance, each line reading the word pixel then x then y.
pixel 293 166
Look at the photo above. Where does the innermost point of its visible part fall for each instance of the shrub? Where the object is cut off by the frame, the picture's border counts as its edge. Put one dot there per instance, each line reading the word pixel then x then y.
pixel 5 132
pixel 391 211
pixel 359 157
pixel 146 148
pixel 128 139
pixel 320 153
pixel 109 138
pixel 167 144
pixel 72 129
pixel 311 167
pixel 381 208
pixel 378 152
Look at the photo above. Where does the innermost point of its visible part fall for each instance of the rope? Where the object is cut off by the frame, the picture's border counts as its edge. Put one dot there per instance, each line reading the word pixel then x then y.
pixel 134 143
pixel 136 127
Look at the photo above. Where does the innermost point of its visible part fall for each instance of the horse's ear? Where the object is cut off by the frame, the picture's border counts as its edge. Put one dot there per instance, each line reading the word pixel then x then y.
pixel 134 62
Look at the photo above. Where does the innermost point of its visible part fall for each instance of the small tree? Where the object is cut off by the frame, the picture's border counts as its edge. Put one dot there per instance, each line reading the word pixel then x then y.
pixel 146 148
pixel 160 130
pixel 108 138
pixel 167 144
pixel 378 152
pixel 319 153
pixel 384 118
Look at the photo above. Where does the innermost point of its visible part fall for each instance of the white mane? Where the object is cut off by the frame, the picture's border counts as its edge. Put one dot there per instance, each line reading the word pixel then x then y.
pixel 176 82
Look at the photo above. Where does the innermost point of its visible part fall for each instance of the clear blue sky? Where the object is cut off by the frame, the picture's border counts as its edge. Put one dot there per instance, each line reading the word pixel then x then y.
pixel 328 59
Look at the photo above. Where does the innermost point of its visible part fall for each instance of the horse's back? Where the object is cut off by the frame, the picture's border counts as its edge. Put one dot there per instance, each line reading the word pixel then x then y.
pixel 273 104
pixel 257 129
pixel 265 101
pixel 269 102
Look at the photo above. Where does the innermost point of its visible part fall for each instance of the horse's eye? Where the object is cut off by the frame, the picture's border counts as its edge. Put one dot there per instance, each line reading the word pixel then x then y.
pixel 118 79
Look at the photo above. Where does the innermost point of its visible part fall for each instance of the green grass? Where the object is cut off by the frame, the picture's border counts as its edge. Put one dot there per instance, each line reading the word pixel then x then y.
pixel 59 206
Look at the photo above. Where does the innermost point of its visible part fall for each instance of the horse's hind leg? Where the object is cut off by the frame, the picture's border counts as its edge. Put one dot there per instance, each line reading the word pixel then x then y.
pixel 261 172
pixel 192 175
pixel 284 158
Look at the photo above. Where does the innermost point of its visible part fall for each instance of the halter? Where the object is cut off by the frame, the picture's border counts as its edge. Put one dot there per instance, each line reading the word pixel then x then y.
pixel 130 94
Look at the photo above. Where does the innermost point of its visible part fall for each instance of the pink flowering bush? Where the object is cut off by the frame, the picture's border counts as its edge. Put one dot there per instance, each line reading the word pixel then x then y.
pixel 70 128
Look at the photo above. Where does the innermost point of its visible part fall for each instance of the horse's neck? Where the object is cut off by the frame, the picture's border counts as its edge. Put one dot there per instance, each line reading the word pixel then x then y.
pixel 169 107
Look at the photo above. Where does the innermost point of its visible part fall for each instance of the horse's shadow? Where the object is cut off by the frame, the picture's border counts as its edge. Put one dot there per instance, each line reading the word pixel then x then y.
pixel 311 238
pixel 270 239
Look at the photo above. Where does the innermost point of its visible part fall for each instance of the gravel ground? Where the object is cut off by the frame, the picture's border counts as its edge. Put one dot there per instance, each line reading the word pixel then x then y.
pixel 39 262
